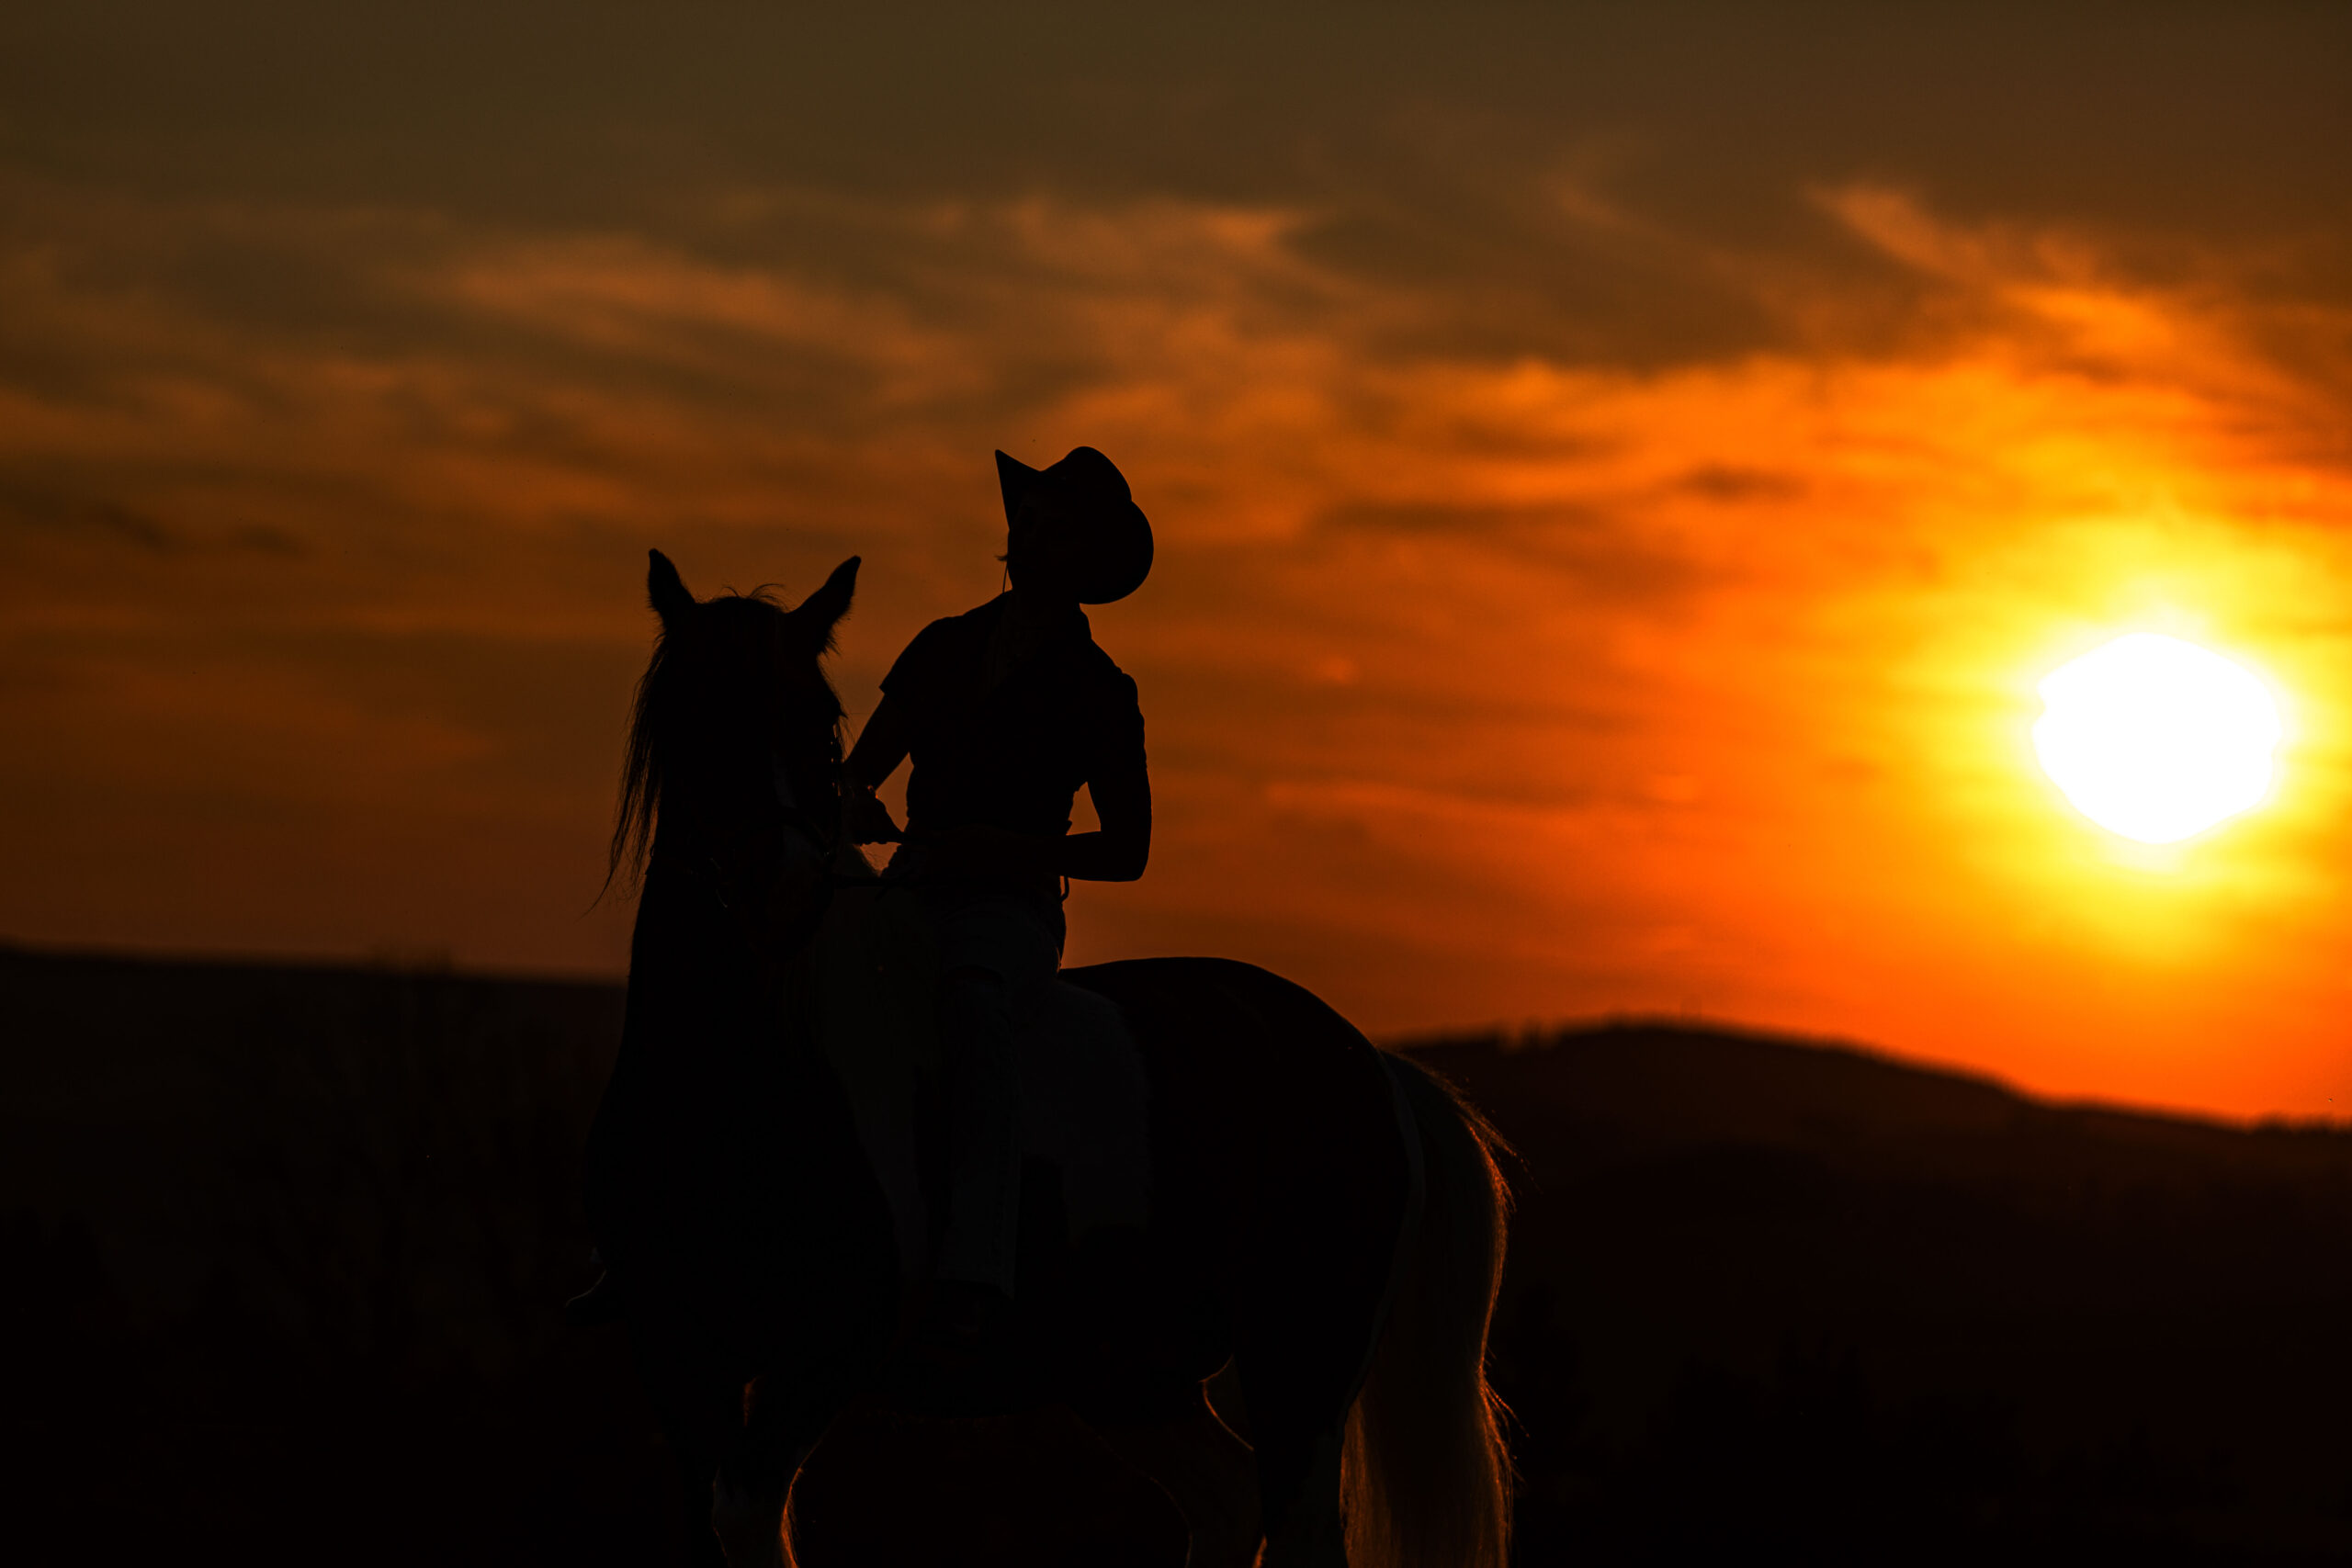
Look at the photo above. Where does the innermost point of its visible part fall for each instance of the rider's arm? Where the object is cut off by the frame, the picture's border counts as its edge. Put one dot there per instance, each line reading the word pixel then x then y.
pixel 881 745
pixel 1118 853
pixel 1120 787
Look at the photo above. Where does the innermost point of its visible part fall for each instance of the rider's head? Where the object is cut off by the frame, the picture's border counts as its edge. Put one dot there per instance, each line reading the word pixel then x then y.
pixel 1074 533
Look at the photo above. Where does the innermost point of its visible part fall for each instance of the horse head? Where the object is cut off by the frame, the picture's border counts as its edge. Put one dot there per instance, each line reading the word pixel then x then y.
pixel 735 742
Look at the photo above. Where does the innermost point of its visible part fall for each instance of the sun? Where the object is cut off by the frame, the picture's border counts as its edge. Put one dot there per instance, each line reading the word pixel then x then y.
pixel 2156 738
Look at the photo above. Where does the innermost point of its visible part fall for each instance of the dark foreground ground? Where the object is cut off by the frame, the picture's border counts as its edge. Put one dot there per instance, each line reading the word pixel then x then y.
pixel 284 1248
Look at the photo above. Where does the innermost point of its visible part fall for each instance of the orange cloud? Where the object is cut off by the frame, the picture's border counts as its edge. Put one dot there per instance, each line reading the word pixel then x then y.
pixel 1480 685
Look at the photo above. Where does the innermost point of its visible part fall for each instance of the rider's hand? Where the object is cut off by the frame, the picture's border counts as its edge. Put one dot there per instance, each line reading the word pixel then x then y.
pixel 866 820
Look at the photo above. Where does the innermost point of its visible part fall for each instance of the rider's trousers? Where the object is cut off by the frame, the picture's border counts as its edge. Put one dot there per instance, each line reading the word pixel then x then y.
pixel 997 951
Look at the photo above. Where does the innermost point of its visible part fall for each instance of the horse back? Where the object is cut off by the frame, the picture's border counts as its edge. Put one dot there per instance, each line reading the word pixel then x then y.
pixel 1279 1155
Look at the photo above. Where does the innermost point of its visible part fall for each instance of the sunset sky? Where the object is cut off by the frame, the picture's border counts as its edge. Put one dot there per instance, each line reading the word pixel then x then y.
pixel 1620 474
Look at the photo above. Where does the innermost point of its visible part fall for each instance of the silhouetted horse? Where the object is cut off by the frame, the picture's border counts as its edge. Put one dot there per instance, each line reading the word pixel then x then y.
pixel 1327 1217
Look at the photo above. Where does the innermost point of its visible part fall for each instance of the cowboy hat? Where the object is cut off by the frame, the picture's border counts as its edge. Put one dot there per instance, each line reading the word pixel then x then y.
pixel 1117 540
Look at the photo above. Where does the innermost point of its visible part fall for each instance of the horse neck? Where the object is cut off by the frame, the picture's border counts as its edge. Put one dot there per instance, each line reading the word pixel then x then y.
pixel 715 810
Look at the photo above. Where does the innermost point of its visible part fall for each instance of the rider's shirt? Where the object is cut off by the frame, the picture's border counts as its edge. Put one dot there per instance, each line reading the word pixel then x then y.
pixel 1012 755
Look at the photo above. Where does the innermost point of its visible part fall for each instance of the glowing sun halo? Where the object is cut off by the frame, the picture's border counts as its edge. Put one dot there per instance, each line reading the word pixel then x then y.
pixel 2156 738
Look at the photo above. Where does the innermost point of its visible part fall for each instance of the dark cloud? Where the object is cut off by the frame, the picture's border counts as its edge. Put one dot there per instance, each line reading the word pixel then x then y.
pixel 1725 482
pixel 91 519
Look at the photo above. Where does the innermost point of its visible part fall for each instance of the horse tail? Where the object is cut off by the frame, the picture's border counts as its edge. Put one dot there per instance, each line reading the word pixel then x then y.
pixel 1426 1480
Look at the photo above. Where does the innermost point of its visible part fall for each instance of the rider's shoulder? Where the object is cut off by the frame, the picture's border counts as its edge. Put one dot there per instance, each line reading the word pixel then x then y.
pixel 1096 662
pixel 1108 671
pixel 947 644
pixel 1114 694
pixel 976 624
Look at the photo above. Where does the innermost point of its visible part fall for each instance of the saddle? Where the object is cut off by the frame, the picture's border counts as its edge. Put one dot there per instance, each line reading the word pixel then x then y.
pixel 1084 1099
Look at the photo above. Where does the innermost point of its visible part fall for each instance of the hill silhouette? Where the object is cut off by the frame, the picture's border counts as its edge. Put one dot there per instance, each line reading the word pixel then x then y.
pixel 287 1244
pixel 1767 1295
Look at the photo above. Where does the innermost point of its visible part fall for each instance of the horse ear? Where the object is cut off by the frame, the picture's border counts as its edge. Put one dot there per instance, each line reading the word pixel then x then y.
pixel 822 610
pixel 666 589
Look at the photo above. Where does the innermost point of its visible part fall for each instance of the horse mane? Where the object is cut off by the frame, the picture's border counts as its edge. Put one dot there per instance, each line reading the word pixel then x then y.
pixel 721 659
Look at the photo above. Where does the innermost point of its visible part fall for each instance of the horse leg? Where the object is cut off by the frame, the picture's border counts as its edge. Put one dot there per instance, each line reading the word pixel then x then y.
pixel 747 1499
pixel 747 1511
pixel 1199 1462
pixel 696 1392
pixel 1300 1481
pixel 784 1419
pixel 692 1430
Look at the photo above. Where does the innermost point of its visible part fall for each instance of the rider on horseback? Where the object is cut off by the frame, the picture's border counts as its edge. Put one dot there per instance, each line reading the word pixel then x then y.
pixel 1007 710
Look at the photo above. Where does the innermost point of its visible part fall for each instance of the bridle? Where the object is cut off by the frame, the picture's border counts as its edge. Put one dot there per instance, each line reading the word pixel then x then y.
pixel 802 840
pixel 821 840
